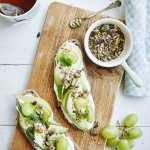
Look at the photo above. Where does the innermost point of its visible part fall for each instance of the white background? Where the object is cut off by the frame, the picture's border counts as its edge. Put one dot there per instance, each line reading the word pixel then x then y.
pixel 17 50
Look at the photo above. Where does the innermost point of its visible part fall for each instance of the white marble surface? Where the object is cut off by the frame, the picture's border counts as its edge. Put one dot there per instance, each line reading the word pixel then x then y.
pixel 17 50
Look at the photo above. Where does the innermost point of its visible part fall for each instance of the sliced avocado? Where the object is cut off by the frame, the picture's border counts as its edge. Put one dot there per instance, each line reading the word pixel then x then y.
pixel 59 129
pixel 81 102
pixel 90 117
pixel 67 58
pixel 39 140
pixel 62 143
pixel 27 108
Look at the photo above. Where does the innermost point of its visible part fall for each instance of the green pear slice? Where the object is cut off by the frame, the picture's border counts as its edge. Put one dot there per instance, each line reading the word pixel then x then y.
pixel 62 143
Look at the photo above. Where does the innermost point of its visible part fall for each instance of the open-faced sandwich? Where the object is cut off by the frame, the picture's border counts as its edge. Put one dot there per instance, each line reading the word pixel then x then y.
pixel 37 123
pixel 72 87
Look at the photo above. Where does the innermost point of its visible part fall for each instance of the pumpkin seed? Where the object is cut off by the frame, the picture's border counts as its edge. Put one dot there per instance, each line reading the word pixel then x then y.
pixel 93 132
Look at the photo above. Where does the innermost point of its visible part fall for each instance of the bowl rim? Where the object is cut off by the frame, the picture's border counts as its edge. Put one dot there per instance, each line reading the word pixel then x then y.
pixel 96 24
pixel 24 14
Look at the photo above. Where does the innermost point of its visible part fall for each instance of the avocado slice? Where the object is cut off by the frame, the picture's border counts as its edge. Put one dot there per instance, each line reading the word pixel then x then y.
pixel 62 143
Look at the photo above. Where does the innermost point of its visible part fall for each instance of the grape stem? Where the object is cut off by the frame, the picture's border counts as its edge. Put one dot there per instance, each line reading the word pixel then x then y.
pixel 122 129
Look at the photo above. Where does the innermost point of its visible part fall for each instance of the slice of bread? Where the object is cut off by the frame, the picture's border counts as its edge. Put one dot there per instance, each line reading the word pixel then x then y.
pixel 35 96
pixel 67 48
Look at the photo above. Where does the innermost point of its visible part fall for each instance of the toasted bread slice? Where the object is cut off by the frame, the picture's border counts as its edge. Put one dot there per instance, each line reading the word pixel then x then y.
pixel 71 86
pixel 38 124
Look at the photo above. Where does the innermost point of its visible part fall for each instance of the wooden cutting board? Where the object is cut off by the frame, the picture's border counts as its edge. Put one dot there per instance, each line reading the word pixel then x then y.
pixel 104 82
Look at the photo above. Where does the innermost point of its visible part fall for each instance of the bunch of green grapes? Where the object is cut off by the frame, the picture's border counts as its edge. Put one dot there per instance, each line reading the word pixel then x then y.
pixel 122 137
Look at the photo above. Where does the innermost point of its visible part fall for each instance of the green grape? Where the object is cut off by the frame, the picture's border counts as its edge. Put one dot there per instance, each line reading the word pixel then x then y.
pixel 62 143
pixel 131 143
pixel 130 120
pixel 113 141
pixel 81 102
pixel 123 145
pixel 109 132
pixel 134 133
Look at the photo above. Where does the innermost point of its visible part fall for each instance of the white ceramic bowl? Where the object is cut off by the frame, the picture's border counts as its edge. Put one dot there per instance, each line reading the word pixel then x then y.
pixel 121 60
pixel 24 17
pixel 127 47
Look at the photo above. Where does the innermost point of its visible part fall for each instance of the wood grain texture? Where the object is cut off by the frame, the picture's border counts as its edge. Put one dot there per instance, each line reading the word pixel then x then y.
pixel 104 82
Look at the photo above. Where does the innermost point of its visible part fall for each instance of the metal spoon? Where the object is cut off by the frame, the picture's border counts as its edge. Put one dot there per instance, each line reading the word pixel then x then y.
pixel 10 10
pixel 77 22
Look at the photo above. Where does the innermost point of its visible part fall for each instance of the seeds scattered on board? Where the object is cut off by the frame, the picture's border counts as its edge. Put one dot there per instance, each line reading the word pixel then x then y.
pixel 38 34
pixel 34 102
pixel 93 132
pixel 106 42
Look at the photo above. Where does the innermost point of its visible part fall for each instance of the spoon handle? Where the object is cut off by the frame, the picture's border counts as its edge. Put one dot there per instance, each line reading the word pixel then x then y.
pixel 115 4
pixel 135 78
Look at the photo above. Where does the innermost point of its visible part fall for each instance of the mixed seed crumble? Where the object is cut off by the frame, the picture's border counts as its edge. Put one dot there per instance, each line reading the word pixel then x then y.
pixel 106 42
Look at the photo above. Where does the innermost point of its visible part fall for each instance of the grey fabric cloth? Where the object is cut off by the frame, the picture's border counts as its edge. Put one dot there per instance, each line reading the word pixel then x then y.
pixel 137 16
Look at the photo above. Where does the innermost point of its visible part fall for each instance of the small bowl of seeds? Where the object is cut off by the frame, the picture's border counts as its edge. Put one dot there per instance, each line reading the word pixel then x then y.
pixel 108 42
